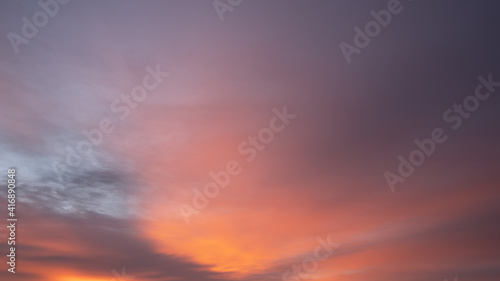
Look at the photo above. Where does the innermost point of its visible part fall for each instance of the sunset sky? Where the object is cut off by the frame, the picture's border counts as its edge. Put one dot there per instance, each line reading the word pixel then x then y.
pixel 108 185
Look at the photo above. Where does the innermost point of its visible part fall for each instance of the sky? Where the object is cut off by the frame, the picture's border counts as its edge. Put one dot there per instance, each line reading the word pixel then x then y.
pixel 239 140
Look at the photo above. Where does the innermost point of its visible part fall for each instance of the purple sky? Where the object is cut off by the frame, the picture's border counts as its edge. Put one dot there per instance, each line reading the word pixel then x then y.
pixel 89 208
